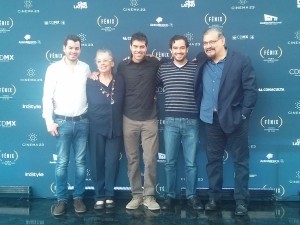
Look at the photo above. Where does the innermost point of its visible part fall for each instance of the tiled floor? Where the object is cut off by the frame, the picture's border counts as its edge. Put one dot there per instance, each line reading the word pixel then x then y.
pixel 38 212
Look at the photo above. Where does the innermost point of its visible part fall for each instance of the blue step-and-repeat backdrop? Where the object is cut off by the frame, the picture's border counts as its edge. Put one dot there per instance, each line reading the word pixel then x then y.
pixel 31 38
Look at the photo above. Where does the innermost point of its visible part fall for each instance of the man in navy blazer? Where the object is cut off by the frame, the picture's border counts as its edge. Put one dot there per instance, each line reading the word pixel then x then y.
pixel 226 93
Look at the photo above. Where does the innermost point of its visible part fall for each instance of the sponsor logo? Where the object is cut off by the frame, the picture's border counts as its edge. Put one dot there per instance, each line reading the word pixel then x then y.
pixel 189 4
pixel 271 89
pixel 81 5
pixel 296 143
pixel 297 178
pixel 33 141
pixel 54 22
pixel 270 20
pixel 53 187
pixel 134 7
pixel 7 58
pixel 242 37
pixel 54 159
pixel 242 6
pixel 160 54
pixel 8 158
pixel 271 124
pixel 215 20
pixel 270 159
pixel 297 37
pixel 7 92
pixel 295 72
pixel 28 8
pixel 279 190
pixel 53 57
pixel 297 107
pixel 161 158
pixel 84 40
pixel 34 174
pixel 108 24
pixel 6 25
pixel 30 76
pixel 225 156
pixel 8 123
pixel 159 23
pixel 159 189
pixel 298 4
pixel 252 175
pixel 270 55
pixel 27 41
pixel 190 37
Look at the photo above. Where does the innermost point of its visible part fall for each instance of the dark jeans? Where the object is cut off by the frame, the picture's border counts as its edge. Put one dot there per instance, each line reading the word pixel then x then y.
pixel 104 157
pixel 237 143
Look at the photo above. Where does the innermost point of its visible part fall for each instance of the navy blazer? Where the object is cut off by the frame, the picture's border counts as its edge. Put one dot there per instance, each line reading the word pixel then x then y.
pixel 237 93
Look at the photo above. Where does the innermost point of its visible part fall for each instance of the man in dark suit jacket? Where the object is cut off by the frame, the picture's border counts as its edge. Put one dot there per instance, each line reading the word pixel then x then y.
pixel 225 92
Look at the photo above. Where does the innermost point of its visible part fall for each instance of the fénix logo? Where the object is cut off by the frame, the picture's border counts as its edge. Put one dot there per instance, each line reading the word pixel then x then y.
pixel 271 124
pixel 108 24
pixel 6 25
pixel 160 54
pixel 8 158
pixel 215 20
pixel 53 56
pixel 270 55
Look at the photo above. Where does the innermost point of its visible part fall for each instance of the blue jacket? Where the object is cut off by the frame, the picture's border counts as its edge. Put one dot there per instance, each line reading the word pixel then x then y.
pixel 237 93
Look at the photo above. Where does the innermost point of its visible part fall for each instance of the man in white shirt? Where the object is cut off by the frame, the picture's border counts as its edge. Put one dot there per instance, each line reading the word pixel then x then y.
pixel 64 111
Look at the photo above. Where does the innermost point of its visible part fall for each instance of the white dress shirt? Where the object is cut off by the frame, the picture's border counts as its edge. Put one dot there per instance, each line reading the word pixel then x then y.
pixel 65 90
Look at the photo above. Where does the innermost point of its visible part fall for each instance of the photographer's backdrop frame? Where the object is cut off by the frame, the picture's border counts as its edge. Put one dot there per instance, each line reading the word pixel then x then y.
pixel 31 37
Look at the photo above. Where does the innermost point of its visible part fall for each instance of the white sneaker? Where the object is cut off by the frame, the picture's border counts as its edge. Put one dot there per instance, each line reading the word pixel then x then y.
pixel 135 202
pixel 150 203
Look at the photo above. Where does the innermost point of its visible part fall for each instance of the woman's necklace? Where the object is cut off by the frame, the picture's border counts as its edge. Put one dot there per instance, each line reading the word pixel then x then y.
pixel 107 94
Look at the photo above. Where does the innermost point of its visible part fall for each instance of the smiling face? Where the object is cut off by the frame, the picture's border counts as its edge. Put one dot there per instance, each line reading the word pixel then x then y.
pixel 214 45
pixel 104 62
pixel 138 50
pixel 179 51
pixel 72 51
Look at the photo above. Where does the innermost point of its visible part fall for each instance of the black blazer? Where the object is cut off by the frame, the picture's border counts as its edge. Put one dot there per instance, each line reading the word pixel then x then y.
pixel 237 93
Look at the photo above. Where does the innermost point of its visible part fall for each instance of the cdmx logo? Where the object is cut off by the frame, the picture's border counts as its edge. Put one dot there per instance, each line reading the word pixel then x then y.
pixel 219 20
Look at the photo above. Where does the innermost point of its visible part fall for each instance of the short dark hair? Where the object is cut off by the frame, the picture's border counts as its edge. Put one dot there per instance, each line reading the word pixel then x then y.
pixel 139 36
pixel 72 37
pixel 178 37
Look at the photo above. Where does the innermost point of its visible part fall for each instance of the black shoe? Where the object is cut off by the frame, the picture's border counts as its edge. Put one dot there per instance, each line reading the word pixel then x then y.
pixel 109 203
pixel 241 208
pixel 79 205
pixel 59 208
pixel 211 205
pixel 167 204
pixel 99 205
pixel 195 203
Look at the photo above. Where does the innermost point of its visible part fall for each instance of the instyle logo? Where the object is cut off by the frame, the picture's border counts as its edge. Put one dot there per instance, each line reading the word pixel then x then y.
pixel 270 55
pixel 8 158
pixel 53 57
pixel 108 24
pixel 270 20
pixel 6 25
pixel 31 106
pixel 159 23
pixel 215 20
pixel 189 4
pixel 7 92
pixel 134 7
pixel 242 6
pixel 271 124
pixel 34 174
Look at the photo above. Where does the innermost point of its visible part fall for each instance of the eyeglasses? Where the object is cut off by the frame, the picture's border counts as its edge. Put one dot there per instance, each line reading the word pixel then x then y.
pixel 103 60
pixel 206 43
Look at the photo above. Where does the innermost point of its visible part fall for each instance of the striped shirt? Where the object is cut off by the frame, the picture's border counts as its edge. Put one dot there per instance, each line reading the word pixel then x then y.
pixel 178 83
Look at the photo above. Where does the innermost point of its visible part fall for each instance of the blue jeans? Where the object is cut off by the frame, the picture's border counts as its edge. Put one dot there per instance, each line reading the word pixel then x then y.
pixel 177 131
pixel 75 134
